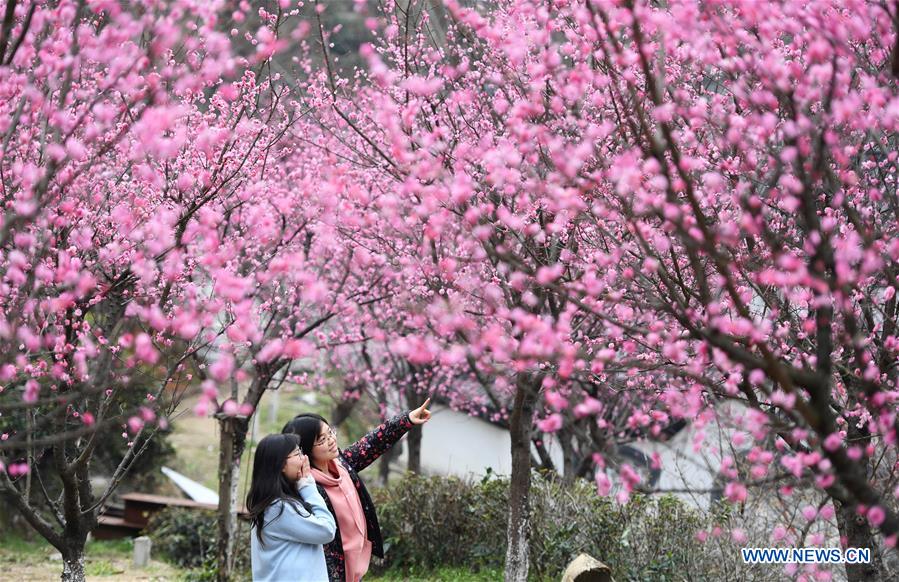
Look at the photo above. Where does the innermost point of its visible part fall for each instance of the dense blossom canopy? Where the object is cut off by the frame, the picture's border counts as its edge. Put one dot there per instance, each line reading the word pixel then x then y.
pixel 686 203
pixel 642 209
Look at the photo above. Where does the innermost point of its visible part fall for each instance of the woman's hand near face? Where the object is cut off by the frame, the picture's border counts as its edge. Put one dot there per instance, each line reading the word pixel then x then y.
pixel 304 470
pixel 293 464
pixel 421 414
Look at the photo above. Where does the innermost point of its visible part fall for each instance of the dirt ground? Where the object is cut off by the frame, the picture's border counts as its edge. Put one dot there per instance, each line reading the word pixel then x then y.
pixel 45 564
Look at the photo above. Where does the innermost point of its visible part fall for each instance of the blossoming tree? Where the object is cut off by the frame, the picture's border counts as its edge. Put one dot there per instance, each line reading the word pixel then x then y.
pixel 123 161
pixel 665 206
pixel 689 202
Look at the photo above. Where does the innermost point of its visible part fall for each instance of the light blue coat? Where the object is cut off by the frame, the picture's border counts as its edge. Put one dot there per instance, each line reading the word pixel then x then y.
pixel 293 542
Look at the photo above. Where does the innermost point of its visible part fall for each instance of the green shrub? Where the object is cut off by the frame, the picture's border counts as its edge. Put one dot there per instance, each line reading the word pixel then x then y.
pixel 187 538
pixel 184 536
pixel 433 522
pixel 422 518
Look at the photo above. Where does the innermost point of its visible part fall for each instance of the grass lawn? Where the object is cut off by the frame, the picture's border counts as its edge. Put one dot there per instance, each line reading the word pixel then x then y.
pixel 24 560
pixel 110 561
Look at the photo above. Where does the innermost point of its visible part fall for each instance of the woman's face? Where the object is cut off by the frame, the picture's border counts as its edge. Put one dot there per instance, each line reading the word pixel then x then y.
pixel 293 465
pixel 325 447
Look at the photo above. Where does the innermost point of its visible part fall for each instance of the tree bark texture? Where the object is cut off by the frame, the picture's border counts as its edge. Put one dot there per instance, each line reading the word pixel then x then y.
pixel 520 430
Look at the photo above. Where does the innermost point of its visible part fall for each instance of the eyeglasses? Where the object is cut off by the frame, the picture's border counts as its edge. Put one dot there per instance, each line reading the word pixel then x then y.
pixel 324 438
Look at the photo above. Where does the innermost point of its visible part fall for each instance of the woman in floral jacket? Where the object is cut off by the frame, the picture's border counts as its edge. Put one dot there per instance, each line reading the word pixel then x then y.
pixel 358 534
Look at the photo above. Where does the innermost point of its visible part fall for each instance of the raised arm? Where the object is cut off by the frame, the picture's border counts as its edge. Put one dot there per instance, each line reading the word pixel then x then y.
pixel 366 450
pixel 318 528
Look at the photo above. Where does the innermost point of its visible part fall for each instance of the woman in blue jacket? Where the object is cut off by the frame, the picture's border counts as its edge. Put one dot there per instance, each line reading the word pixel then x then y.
pixel 290 520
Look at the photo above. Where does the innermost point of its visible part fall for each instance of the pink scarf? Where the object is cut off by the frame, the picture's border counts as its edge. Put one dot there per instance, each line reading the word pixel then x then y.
pixel 350 518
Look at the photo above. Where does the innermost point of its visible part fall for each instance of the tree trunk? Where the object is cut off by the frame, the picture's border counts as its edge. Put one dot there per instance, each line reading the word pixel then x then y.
pixel 571 459
pixel 73 565
pixel 413 438
pixel 520 430
pixel 855 528
pixel 858 534
pixel 232 441
pixel 545 462
pixel 344 407
pixel 384 463
pixel 413 441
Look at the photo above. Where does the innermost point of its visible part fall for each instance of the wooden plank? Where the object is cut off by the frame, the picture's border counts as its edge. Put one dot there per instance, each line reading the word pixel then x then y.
pixel 164 501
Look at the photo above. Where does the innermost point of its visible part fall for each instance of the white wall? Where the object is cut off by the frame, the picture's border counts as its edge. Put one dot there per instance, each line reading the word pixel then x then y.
pixel 454 443
pixel 685 469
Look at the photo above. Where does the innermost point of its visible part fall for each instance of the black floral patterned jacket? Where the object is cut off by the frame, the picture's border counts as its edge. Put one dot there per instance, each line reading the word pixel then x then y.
pixel 354 458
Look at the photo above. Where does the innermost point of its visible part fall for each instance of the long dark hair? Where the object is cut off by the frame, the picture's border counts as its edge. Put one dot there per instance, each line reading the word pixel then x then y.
pixel 307 426
pixel 269 484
